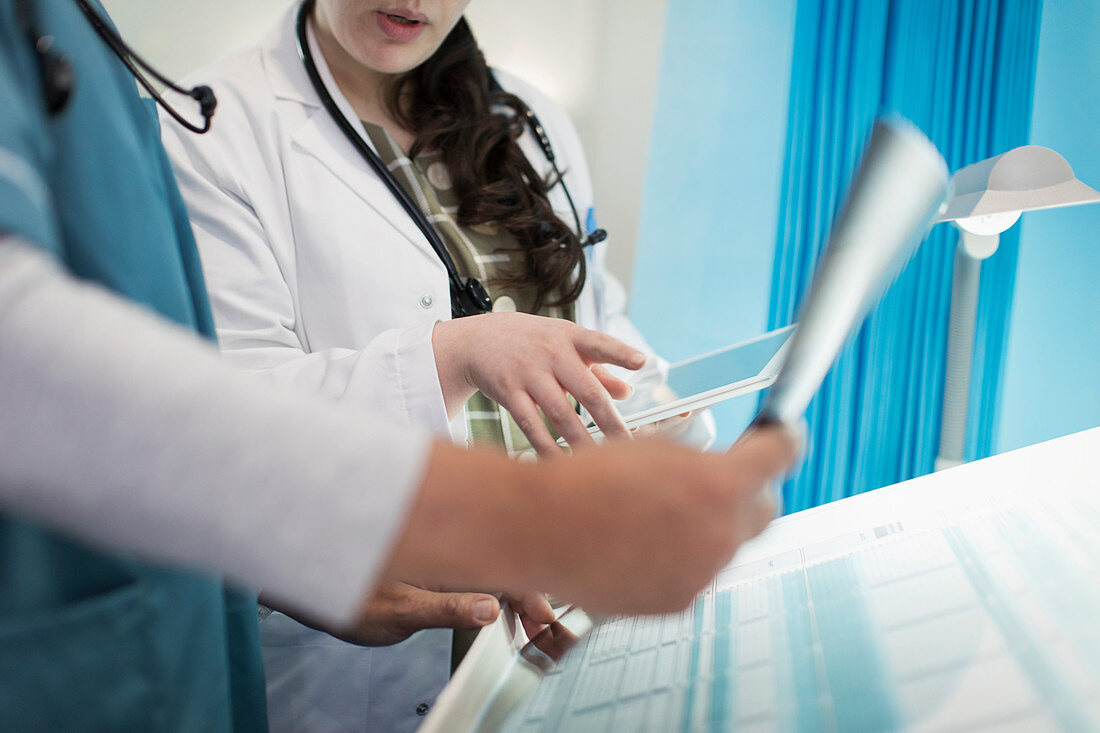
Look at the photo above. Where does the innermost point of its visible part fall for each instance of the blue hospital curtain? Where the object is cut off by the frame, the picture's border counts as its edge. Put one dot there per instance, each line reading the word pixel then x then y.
pixel 963 71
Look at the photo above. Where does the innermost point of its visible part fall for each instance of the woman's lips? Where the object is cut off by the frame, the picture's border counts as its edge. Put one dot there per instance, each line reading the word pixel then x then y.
pixel 400 26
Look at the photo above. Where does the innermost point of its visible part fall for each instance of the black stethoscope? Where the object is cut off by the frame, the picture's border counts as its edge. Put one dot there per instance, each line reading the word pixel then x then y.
pixel 59 77
pixel 468 296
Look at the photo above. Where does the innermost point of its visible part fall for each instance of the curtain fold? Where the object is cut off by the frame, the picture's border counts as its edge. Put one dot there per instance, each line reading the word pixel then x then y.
pixel 963 71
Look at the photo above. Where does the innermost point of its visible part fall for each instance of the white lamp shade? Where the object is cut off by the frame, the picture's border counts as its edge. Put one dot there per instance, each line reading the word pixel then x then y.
pixel 1023 179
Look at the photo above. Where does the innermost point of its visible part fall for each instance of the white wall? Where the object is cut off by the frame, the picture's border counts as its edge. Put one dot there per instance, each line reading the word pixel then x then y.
pixel 1050 384
pixel 600 59
pixel 597 57
pixel 178 37
pixel 714 176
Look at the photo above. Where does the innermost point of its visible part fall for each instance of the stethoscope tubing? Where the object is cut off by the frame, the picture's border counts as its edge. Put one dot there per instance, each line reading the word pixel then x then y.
pixel 460 288
pixel 364 149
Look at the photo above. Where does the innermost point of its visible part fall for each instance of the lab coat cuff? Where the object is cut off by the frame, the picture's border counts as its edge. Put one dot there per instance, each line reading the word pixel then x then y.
pixel 418 379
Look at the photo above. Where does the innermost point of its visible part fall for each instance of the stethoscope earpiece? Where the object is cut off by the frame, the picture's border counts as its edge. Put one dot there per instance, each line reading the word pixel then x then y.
pixel 54 69
pixel 595 237
pixel 204 95
pixel 58 76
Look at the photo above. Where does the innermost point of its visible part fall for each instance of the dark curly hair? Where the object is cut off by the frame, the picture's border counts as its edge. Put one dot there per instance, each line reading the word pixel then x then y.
pixel 450 104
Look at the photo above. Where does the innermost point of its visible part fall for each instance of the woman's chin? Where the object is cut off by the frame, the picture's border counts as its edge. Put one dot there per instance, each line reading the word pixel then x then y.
pixel 393 58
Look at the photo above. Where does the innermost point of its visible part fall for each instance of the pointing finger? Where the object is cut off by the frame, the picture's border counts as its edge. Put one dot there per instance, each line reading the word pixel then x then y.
pixel 617 388
pixel 528 419
pixel 590 392
pixel 599 348
pixel 550 396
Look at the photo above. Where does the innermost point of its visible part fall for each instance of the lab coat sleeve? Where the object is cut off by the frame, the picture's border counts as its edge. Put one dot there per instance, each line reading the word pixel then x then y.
pixel 393 376
pixel 133 435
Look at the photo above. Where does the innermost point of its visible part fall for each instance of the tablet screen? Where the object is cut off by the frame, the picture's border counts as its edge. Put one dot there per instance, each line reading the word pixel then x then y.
pixel 727 366
pixel 705 380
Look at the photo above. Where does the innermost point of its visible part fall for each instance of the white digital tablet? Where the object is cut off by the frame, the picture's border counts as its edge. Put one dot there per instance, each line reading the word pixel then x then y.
pixel 706 380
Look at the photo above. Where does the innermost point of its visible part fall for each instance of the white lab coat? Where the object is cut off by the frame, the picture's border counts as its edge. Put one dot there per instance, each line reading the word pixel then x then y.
pixel 319 278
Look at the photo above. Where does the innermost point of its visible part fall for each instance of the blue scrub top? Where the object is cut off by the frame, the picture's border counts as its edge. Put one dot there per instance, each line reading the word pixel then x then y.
pixel 90 640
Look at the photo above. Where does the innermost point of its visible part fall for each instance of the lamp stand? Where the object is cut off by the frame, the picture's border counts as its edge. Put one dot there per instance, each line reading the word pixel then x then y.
pixel 972 249
pixel 989 197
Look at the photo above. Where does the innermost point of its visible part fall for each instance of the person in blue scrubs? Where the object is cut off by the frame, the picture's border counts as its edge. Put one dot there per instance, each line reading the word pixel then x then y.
pixel 123 439
pixel 115 642
pixel 87 635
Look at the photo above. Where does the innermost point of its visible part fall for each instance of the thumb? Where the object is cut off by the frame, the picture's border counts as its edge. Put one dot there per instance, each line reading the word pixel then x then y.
pixel 431 610
pixel 764 452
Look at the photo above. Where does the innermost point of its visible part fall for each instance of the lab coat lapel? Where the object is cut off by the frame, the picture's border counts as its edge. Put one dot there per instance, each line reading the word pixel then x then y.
pixel 321 138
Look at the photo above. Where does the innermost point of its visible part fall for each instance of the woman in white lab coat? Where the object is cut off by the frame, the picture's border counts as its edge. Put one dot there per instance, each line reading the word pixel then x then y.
pixel 321 280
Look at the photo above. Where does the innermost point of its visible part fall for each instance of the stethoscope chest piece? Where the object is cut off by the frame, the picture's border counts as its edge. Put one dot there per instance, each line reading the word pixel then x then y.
pixel 470 298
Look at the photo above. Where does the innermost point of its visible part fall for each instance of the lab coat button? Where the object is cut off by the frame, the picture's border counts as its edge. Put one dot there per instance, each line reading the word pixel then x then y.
pixel 426 300
pixel 422 709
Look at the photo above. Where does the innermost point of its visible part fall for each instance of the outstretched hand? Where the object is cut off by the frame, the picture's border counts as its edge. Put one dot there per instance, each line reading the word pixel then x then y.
pixel 632 527
pixel 526 363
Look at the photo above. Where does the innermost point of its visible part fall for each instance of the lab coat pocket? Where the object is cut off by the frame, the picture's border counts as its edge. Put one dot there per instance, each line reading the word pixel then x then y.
pixel 59 665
